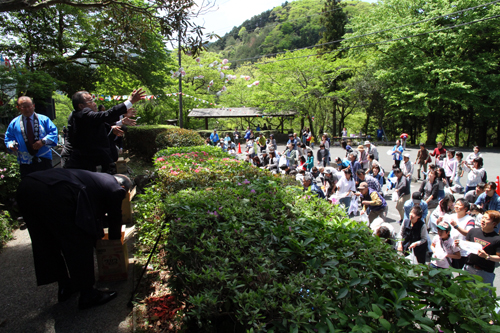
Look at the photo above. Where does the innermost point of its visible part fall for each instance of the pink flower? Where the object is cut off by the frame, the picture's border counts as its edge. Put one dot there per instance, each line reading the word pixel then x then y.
pixel 175 173
pixel 2 176
pixel 220 208
pixel 164 167
pixel 239 184
pixel 252 191
pixel 246 182
pixel 290 229
pixel 197 170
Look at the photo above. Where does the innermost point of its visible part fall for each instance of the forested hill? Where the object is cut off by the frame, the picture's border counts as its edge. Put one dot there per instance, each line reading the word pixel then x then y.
pixel 290 26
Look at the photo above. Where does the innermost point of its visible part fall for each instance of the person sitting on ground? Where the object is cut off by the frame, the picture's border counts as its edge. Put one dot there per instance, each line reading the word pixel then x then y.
pixel 291 155
pixel 264 158
pixel 416 200
pixel 302 163
pixel 445 206
pixel 330 182
pixel 483 263
pixel 461 222
pixel 443 243
pixel 472 195
pixel 273 162
pixel 309 185
pixel 374 204
pixel 429 190
pixel 413 235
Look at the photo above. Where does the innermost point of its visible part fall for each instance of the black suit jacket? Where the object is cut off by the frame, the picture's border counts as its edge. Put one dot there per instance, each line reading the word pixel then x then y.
pixel 88 142
pixel 97 194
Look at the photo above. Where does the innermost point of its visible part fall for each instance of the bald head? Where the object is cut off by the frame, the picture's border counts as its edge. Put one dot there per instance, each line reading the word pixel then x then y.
pixel 25 106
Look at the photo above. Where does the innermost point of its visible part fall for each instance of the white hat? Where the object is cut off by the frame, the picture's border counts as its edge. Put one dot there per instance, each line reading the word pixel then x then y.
pixel 406 155
pixel 367 143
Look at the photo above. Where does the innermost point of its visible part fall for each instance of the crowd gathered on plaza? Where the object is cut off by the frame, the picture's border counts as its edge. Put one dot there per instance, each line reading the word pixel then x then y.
pixel 451 221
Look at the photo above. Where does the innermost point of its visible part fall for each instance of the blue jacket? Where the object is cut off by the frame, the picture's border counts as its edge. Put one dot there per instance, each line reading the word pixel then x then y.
pixel 395 156
pixel 494 202
pixel 47 131
pixel 214 137
pixel 409 205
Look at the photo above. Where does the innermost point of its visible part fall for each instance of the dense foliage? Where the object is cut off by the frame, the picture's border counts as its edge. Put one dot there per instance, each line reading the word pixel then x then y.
pixel 6 225
pixel 248 252
pixel 9 180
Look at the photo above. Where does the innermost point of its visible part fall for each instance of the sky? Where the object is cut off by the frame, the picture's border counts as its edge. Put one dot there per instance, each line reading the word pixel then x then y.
pixel 230 13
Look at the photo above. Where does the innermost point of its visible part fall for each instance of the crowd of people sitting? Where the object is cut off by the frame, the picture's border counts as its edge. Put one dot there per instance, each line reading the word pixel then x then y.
pixel 433 219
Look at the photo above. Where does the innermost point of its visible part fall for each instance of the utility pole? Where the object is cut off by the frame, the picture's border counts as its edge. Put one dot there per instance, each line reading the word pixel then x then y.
pixel 181 125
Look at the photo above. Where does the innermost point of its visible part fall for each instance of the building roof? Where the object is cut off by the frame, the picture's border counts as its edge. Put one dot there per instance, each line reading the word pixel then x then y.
pixel 236 113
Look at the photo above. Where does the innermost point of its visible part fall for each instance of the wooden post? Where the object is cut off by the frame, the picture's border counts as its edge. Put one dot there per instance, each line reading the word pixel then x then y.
pixel 206 123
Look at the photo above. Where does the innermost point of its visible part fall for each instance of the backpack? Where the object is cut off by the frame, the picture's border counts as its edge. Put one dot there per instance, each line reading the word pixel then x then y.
pixel 484 178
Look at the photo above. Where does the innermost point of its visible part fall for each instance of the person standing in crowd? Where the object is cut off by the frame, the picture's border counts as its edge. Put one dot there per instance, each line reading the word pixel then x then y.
pixel 249 135
pixel 262 142
pixel 489 200
pixel 374 204
pixel 344 132
pixel 438 151
pixel 371 149
pixel 88 144
pixel 444 207
pixel 397 153
pixel 346 187
pixel 258 128
pixel 330 182
pixel 362 157
pixel 291 155
pixel 444 243
pixel 414 235
pixel 403 138
pixel 380 133
pixel 472 156
pixel 403 190
pixel 423 158
pixel 407 167
pixel 461 222
pixel 483 263
pixel 310 160
pixel 475 174
pixel 416 200
pixel 442 181
pixel 429 190
pixel 214 138
pixel 472 195
pixel 236 135
pixel 326 143
pixel 460 172
pixel 31 136
pixel 271 143
pixel 450 166
pixel 310 185
pixel 376 173
pixel 372 182
pixel 305 133
pixel 355 166
pixel 322 155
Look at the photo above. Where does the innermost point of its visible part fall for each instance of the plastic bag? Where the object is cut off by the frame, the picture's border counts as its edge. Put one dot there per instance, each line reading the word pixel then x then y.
pixel 438 253
pixel 353 208
pixel 282 161
pixel 364 219
pixel 412 258
pixel 395 196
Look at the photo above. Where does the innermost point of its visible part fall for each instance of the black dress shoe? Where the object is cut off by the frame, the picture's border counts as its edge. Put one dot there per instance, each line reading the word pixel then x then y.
pixel 95 298
pixel 65 291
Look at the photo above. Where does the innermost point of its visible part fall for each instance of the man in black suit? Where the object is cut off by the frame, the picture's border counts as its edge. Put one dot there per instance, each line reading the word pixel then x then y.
pixel 64 211
pixel 88 145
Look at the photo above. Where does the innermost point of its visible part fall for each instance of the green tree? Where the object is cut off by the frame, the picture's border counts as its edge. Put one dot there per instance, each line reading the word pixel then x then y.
pixel 334 20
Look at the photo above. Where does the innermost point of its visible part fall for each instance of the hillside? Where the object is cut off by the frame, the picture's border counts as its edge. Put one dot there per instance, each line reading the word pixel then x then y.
pixel 289 26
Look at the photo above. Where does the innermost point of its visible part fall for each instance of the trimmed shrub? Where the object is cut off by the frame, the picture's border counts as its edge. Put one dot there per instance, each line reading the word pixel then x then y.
pixel 252 255
pixel 9 178
pixel 249 252
pixel 143 141
pixel 6 224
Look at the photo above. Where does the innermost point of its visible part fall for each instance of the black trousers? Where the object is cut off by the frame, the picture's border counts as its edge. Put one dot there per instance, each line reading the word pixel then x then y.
pixel 43 164
pixel 60 248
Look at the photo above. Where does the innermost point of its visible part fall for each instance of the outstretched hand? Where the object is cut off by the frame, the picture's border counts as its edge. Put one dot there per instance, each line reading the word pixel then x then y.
pixel 130 113
pixel 137 95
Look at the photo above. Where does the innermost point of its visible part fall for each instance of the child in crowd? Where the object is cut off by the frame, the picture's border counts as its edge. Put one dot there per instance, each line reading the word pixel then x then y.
pixel 310 161
pixel 477 213
pixel 443 247
pixel 312 142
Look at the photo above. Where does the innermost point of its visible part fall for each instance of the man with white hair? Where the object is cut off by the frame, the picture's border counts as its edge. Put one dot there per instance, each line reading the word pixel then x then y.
pixel 310 185
pixel 371 149
pixel 407 167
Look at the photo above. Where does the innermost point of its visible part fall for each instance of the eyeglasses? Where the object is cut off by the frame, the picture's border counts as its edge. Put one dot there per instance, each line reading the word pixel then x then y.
pixel 25 105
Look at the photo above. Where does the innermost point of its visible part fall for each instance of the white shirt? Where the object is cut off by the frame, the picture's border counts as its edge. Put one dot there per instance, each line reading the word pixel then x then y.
pixel 449 248
pixel 462 223
pixel 345 186
pixel 450 167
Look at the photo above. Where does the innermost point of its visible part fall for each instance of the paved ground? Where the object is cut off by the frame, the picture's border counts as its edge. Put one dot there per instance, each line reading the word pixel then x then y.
pixel 24 307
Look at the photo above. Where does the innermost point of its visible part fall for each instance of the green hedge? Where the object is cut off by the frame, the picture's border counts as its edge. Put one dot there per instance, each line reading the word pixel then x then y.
pixel 247 252
pixel 144 141
pixel 6 227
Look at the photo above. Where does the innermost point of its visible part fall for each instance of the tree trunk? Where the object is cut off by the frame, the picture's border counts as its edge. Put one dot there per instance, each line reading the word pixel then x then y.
pixel 432 128
pixel 457 134
pixel 482 138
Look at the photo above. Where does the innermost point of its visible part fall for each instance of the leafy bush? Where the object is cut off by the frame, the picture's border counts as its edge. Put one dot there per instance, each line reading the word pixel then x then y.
pixel 248 252
pixel 253 255
pixel 178 137
pixel 141 140
pixel 6 224
pixel 9 178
